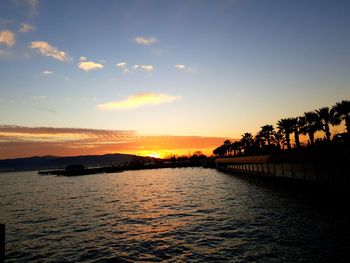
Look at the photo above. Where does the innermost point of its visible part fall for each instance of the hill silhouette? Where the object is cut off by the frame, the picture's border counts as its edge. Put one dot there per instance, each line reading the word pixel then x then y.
pixel 57 162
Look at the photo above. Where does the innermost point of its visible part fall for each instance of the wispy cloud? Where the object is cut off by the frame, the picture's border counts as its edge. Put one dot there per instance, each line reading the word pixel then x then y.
pixel 89 65
pixel 32 5
pixel 180 66
pixel 138 100
pixel 25 28
pixel 12 132
pixel 145 41
pixel 147 68
pixel 4 53
pixel 123 66
pixel 45 109
pixel 83 58
pixel 7 38
pixel 18 141
pixel 47 72
pixel 45 49
pixel 185 68
pixel 39 97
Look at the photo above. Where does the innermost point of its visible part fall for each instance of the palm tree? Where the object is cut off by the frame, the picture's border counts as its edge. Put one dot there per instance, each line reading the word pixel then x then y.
pixel 247 142
pixel 286 126
pixel 219 151
pixel 311 124
pixel 236 147
pixel 296 124
pixel 278 138
pixel 342 111
pixel 267 132
pixel 227 146
pixel 327 116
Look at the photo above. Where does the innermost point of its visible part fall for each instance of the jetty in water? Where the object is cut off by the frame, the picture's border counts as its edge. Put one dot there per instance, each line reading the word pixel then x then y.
pixel 75 170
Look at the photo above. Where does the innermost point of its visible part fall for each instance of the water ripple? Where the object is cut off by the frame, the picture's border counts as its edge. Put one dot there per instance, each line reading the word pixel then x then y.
pixel 169 215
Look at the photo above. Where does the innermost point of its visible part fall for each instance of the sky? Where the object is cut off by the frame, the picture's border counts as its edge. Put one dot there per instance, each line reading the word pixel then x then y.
pixel 172 76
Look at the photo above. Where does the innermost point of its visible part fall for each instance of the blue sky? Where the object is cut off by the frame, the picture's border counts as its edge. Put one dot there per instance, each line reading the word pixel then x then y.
pixel 244 63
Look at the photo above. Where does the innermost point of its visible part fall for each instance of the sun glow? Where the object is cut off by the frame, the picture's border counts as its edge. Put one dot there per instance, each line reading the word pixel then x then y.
pixel 154 155
pixel 17 141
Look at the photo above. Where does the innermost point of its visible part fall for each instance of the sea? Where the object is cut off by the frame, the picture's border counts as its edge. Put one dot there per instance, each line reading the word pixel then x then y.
pixel 169 215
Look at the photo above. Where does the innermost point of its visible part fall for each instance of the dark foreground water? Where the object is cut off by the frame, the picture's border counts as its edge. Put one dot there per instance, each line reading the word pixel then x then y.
pixel 167 215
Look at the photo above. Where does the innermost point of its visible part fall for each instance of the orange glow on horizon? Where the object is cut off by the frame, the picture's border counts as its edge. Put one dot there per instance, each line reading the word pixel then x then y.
pixel 17 142
pixel 166 153
pixel 154 155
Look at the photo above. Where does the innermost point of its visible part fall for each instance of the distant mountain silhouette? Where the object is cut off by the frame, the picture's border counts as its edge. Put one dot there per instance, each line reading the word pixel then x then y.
pixel 56 162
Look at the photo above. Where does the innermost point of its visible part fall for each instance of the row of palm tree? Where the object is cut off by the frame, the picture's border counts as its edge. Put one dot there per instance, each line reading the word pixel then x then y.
pixel 268 139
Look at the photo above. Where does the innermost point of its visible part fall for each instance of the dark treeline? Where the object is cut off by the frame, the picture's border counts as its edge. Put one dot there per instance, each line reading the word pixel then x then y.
pixel 270 140
pixel 196 159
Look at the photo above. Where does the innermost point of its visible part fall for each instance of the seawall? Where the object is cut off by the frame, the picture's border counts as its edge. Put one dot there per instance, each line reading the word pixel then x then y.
pixel 333 172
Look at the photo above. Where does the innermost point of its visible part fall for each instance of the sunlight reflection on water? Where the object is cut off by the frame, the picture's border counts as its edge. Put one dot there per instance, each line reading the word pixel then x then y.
pixel 167 214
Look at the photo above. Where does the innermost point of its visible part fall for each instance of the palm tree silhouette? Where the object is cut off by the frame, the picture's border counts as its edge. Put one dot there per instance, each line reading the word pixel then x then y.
pixel 342 111
pixel 296 125
pixel 267 132
pixel 236 147
pixel 311 124
pixel 267 140
pixel 278 138
pixel 286 126
pixel 227 146
pixel 327 116
pixel 219 151
pixel 247 141
pixel 259 140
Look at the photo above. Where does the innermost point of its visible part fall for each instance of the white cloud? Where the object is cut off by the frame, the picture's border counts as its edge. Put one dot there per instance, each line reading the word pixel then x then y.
pixel 26 28
pixel 136 67
pixel 121 65
pixel 147 68
pixel 47 72
pixel 145 41
pixel 48 50
pixel 7 38
pixel 180 66
pixel 185 68
pixel 82 58
pixel 89 65
pixel 138 100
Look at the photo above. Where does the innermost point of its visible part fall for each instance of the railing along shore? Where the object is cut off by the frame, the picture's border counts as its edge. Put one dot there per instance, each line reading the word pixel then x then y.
pixel 332 172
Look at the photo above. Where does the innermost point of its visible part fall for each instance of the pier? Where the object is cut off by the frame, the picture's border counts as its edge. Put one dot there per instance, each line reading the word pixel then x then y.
pixel 116 169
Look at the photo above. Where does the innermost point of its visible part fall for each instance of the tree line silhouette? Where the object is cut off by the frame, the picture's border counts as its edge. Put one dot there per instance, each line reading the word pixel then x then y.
pixel 269 140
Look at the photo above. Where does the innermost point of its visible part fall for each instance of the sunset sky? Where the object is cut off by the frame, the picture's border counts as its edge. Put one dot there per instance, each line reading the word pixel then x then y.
pixel 160 77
